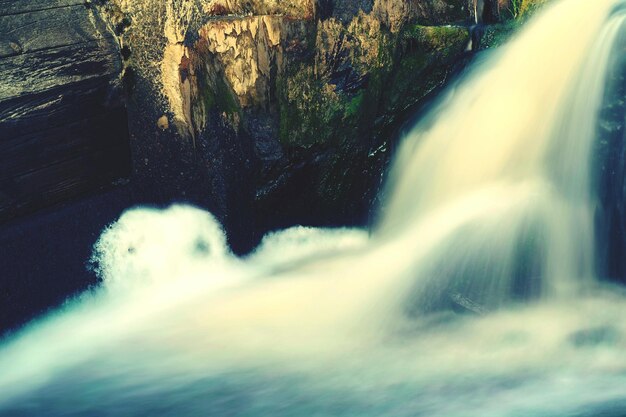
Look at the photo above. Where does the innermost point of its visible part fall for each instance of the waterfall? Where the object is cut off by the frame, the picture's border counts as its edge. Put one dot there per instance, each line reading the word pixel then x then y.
pixel 519 134
pixel 475 294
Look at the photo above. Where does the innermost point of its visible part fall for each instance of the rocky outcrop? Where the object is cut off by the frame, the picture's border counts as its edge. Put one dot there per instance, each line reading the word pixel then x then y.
pixel 396 13
pixel 63 125
pixel 272 113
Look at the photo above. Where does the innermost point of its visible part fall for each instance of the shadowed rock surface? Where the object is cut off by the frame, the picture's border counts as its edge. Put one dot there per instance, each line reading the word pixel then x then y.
pixel 63 126
pixel 279 113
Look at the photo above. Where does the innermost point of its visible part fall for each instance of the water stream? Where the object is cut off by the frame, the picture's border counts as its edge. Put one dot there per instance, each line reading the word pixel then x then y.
pixel 476 294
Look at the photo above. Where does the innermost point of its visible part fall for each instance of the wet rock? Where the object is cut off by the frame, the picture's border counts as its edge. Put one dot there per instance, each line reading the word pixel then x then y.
pixel 300 98
pixel 396 13
pixel 466 305
pixel 346 10
pixel 595 336
pixel 163 123
pixel 610 170
pixel 63 125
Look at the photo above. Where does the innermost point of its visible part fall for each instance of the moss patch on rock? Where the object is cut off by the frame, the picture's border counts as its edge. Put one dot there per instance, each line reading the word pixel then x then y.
pixel 497 35
pixel 395 71
pixel 528 7
pixel 346 98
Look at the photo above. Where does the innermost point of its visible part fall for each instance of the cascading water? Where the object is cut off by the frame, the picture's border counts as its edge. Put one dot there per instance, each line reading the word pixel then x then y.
pixel 533 163
pixel 490 202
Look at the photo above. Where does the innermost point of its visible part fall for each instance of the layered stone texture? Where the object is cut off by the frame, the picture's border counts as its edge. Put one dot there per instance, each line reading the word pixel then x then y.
pixel 63 125
pixel 284 112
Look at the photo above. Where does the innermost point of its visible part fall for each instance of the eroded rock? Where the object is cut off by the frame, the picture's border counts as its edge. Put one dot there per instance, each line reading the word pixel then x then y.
pixel 63 125
pixel 302 96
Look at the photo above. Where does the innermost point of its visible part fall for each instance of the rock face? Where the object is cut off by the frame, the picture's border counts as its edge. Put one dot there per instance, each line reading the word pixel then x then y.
pixel 271 113
pixel 63 126
pixel 395 13
pixel 274 112
pixel 610 154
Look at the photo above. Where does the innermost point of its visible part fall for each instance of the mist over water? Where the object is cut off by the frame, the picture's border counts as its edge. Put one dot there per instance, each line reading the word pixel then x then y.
pixel 475 295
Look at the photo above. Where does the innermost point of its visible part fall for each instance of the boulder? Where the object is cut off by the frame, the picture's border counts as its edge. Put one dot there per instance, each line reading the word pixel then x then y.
pixel 63 124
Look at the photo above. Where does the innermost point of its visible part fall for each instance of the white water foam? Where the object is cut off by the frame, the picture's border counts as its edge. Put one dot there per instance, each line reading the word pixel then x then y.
pixel 486 210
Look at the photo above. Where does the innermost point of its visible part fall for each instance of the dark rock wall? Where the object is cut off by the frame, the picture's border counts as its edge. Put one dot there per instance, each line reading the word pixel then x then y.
pixel 266 113
pixel 346 10
pixel 63 125
pixel 610 165
pixel 278 116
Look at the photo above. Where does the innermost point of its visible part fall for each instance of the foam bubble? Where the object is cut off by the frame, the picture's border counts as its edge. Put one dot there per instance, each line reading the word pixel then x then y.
pixel 298 243
pixel 148 245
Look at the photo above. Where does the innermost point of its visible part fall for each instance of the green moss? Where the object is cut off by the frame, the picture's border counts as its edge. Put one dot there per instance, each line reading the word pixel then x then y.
pixel 343 131
pixel 521 9
pixel 513 11
pixel 528 7
pixel 225 97
pixel 405 68
pixel 443 39
pixel 208 97
pixel 498 34
pixel 400 69
pixel 353 107
pixel 219 97
pixel 308 107
pixel 425 57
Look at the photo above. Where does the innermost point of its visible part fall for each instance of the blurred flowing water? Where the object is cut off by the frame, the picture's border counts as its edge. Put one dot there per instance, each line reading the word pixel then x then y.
pixel 474 295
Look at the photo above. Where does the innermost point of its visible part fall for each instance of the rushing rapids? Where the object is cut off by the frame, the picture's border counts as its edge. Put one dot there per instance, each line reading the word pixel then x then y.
pixel 475 295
